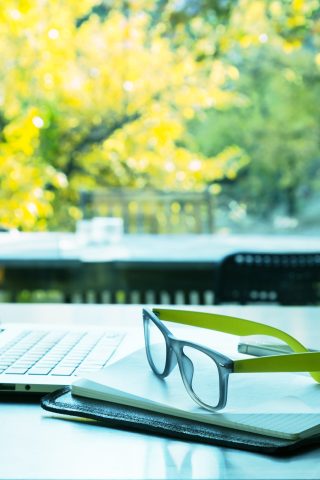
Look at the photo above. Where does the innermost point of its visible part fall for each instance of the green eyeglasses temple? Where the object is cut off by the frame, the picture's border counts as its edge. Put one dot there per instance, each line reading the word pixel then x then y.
pixel 302 361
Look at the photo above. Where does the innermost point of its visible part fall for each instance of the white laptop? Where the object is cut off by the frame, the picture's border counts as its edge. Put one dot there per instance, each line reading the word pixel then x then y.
pixel 41 359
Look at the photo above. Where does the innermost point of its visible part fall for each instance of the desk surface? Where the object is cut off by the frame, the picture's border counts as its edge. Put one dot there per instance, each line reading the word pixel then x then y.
pixel 63 247
pixel 36 444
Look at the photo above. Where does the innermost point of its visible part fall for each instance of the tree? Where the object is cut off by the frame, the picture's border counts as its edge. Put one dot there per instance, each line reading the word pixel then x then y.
pixel 100 93
pixel 97 95
pixel 277 123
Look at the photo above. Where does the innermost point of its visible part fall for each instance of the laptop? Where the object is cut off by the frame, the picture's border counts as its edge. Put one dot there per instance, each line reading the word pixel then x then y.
pixel 42 359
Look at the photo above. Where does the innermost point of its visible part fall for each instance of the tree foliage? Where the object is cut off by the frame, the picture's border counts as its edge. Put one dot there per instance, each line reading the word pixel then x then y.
pixel 278 124
pixel 95 97
pixel 102 93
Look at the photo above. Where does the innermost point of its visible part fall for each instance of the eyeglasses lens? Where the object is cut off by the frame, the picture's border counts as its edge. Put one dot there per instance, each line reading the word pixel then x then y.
pixel 205 379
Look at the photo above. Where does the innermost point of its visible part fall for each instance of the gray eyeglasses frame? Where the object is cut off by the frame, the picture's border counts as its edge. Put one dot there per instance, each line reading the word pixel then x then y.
pixel 175 355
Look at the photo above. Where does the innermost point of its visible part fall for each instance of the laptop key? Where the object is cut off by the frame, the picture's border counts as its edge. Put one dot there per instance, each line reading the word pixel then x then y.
pixel 39 371
pixel 16 370
pixel 63 371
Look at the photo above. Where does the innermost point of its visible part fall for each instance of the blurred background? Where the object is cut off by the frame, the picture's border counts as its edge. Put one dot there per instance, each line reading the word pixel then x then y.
pixel 215 96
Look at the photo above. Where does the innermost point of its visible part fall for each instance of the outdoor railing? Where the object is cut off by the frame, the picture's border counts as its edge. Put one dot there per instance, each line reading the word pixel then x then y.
pixel 152 211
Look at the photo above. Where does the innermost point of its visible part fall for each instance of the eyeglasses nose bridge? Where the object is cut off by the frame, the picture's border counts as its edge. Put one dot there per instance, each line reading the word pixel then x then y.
pixel 187 367
pixel 185 363
pixel 172 358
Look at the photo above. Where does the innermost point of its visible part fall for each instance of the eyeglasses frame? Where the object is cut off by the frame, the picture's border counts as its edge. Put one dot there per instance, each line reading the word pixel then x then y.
pixel 175 355
pixel 301 360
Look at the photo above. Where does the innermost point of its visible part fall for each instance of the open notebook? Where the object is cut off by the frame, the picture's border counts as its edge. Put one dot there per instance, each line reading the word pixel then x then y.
pixel 282 405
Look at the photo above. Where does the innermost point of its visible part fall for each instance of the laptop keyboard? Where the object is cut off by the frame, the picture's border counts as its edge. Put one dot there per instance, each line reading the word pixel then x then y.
pixel 57 352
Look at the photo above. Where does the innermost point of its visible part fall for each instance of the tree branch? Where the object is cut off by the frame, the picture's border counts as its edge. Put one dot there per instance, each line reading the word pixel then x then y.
pixel 97 135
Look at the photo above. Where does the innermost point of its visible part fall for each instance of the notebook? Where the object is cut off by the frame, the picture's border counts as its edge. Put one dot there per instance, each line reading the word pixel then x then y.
pixel 282 405
pixel 39 359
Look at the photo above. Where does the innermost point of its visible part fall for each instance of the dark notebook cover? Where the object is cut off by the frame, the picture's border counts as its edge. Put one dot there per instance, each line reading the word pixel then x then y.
pixel 131 418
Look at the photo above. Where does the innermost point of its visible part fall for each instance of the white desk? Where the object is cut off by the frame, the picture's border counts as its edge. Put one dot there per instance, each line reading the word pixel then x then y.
pixel 35 444
pixel 21 247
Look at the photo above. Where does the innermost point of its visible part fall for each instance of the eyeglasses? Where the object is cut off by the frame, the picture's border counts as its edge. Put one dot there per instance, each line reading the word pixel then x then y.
pixel 204 371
